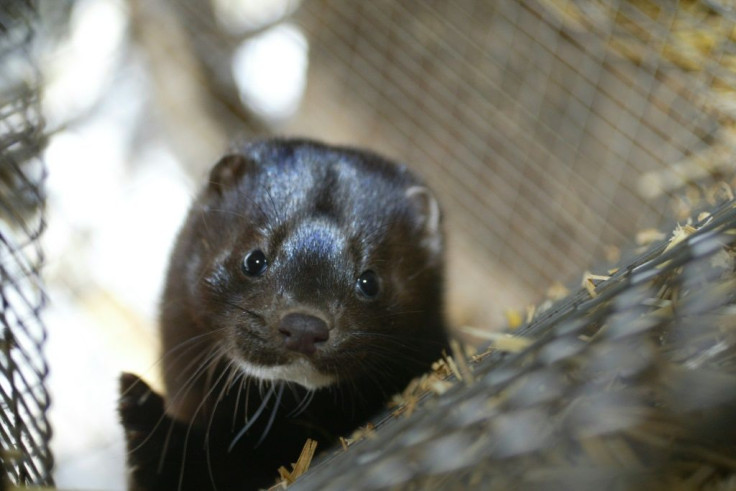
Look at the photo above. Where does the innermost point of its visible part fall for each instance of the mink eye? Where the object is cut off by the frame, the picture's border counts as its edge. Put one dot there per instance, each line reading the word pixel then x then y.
pixel 255 263
pixel 368 284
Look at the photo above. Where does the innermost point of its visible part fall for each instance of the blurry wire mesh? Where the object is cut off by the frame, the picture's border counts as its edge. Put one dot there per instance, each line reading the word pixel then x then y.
pixel 628 384
pixel 539 130
pixel 551 129
pixel 24 430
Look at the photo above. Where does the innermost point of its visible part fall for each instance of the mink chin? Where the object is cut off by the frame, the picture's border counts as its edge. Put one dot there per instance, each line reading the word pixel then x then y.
pixel 303 291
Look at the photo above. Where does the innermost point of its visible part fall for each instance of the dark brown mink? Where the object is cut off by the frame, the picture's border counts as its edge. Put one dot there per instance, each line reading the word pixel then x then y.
pixel 303 291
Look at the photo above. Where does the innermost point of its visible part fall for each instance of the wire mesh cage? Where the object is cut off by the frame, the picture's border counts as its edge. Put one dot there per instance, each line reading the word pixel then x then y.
pixel 559 135
pixel 24 429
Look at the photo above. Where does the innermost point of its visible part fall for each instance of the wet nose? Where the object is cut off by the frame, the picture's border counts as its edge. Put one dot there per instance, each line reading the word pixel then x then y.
pixel 302 332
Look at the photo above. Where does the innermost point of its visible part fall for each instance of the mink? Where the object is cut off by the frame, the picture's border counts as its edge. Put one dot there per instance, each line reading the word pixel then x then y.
pixel 305 288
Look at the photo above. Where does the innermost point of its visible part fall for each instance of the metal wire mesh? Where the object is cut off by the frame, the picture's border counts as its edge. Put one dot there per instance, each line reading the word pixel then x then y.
pixel 630 384
pixel 547 126
pixel 24 430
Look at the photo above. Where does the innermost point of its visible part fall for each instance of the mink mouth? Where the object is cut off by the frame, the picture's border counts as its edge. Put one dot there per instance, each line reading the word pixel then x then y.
pixel 254 348
pixel 257 357
pixel 298 370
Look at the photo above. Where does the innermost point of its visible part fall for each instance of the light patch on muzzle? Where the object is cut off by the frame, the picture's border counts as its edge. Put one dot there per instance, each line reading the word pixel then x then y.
pixel 300 371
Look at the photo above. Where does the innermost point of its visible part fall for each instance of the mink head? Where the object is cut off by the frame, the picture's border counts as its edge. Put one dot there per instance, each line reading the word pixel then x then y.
pixel 312 264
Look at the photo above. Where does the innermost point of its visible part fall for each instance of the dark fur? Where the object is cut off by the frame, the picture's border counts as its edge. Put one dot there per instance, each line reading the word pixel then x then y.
pixel 322 215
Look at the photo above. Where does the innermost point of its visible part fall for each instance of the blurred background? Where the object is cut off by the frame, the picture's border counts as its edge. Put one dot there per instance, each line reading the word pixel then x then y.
pixel 556 134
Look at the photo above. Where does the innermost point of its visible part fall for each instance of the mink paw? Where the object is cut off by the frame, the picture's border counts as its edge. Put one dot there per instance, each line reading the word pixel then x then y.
pixel 140 408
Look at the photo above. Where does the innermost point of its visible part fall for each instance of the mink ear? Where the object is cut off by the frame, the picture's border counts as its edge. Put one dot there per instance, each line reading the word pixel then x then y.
pixel 428 216
pixel 228 172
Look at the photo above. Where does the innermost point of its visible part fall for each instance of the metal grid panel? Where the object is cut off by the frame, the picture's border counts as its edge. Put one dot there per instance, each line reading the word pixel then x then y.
pixel 537 122
pixel 628 385
pixel 24 430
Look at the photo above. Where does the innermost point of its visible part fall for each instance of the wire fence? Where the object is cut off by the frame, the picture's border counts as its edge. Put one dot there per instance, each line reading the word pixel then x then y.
pixel 551 129
pixel 24 430
pixel 628 383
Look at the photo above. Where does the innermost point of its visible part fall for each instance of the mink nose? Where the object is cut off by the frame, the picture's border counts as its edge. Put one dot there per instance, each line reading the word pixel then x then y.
pixel 302 332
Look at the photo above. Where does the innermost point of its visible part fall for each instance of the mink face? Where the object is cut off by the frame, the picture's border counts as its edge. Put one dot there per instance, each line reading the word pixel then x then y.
pixel 301 265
